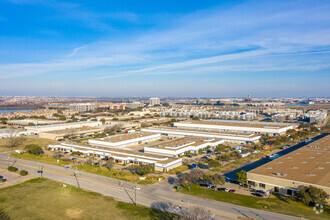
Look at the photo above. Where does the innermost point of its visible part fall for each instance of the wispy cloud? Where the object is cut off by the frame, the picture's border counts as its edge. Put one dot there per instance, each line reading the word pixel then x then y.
pixel 244 38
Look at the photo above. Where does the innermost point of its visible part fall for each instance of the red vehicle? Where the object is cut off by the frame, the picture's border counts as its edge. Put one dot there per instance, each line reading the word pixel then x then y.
pixel 232 191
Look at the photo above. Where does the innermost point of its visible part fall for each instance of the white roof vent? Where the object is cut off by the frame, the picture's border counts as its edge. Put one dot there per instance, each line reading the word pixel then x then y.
pixel 304 161
pixel 268 167
pixel 295 167
pixel 311 174
pixel 320 167
pixel 283 174
pixel 280 162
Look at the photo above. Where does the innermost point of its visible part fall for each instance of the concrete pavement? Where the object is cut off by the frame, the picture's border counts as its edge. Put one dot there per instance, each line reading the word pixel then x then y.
pixel 149 195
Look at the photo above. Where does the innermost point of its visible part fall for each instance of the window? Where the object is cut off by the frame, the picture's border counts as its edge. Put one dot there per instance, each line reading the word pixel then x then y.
pixel 261 185
pixel 276 189
pixel 289 192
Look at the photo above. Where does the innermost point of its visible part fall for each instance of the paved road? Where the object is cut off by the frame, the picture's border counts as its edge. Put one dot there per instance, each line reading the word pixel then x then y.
pixel 149 195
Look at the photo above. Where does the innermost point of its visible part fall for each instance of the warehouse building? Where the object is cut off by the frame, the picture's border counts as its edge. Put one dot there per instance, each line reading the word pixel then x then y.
pixel 71 133
pixel 125 140
pixel 56 127
pixel 308 165
pixel 161 163
pixel 176 147
pixel 238 126
pixel 240 138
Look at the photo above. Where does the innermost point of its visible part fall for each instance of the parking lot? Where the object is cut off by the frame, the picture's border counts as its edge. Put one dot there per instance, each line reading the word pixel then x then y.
pixel 11 178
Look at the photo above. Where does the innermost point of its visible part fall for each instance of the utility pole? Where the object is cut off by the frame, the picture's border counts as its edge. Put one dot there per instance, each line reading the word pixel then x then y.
pixel 75 174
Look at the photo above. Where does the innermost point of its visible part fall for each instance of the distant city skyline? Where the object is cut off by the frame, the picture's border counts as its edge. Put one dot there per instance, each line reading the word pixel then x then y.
pixel 165 48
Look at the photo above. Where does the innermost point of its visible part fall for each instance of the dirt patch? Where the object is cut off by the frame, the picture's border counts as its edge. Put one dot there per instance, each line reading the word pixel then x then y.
pixel 73 213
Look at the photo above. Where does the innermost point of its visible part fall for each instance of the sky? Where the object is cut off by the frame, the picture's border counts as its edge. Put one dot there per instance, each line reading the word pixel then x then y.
pixel 166 48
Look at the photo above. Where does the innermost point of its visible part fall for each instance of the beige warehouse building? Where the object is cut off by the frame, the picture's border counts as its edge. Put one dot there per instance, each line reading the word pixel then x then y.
pixel 309 165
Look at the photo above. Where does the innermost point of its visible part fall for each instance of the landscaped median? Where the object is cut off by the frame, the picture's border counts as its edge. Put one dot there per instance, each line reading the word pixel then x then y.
pixel 47 199
pixel 42 158
pixel 280 204
pixel 118 174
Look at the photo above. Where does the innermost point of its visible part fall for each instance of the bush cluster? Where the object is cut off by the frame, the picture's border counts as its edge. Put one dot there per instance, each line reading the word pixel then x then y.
pixel 12 169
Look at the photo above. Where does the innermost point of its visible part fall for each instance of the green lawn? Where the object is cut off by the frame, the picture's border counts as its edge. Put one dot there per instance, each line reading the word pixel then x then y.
pixel 41 158
pixel 118 174
pixel 179 169
pixel 27 140
pixel 47 199
pixel 281 205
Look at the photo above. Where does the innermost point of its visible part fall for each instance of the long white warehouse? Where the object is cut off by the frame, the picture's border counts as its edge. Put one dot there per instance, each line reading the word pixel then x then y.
pixel 226 136
pixel 237 126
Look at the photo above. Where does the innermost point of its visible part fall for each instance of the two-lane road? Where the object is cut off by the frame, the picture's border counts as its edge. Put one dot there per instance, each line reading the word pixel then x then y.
pixel 148 195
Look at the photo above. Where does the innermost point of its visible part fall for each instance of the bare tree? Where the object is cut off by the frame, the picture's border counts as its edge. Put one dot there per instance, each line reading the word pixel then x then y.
pixel 110 163
pixel 196 213
pixel 190 178
pixel 15 141
pixel 113 128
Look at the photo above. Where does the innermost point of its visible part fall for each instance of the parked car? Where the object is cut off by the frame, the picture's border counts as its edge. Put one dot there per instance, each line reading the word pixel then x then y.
pixel 232 191
pixel 221 189
pixel 203 185
pixel 260 191
pixel 257 194
pixel 227 189
pixel 136 187
pixel 210 186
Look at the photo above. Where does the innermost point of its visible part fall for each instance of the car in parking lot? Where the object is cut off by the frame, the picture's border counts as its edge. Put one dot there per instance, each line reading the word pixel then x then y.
pixel 257 194
pixel 136 187
pixel 221 189
pixel 232 191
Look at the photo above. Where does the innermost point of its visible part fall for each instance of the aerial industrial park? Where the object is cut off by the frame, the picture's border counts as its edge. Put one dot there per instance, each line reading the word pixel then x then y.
pixel 164 110
pixel 163 141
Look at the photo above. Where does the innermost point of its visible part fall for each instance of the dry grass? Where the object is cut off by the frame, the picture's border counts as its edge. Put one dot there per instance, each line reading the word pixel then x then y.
pixel 27 140
pixel 47 199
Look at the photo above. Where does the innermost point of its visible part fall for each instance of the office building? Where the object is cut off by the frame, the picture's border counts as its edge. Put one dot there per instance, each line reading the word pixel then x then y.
pixel 154 101
pixel 82 107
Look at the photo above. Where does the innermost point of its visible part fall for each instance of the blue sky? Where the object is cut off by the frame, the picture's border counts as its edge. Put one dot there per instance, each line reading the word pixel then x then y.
pixel 165 48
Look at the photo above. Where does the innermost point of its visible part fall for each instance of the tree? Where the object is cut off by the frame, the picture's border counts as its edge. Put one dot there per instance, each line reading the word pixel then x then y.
pixel 195 118
pixel 215 179
pixel 113 128
pixel 144 169
pixel 33 149
pixel 110 163
pixel 213 163
pixel 13 141
pixel 196 213
pixel 62 118
pixel 31 124
pixel 190 178
pixel 311 195
pixel 103 121
pixel 241 176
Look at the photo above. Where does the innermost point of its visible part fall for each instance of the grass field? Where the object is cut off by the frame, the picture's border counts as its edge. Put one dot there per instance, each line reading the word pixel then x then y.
pixel 179 169
pixel 27 140
pixel 41 158
pixel 47 199
pixel 281 205
pixel 114 173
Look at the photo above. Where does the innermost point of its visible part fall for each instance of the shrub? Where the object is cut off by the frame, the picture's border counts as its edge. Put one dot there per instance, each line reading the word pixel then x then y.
pixel 23 172
pixel 12 169
pixel 33 149
pixel 77 153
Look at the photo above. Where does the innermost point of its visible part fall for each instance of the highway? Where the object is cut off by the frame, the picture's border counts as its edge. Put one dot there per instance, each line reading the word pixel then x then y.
pixel 149 195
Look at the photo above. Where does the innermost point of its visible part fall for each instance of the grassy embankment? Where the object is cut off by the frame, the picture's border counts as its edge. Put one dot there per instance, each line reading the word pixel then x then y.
pixel 118 174
pixel 41 158
pixel 280 204
pixel 47 199
pixel 26 141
